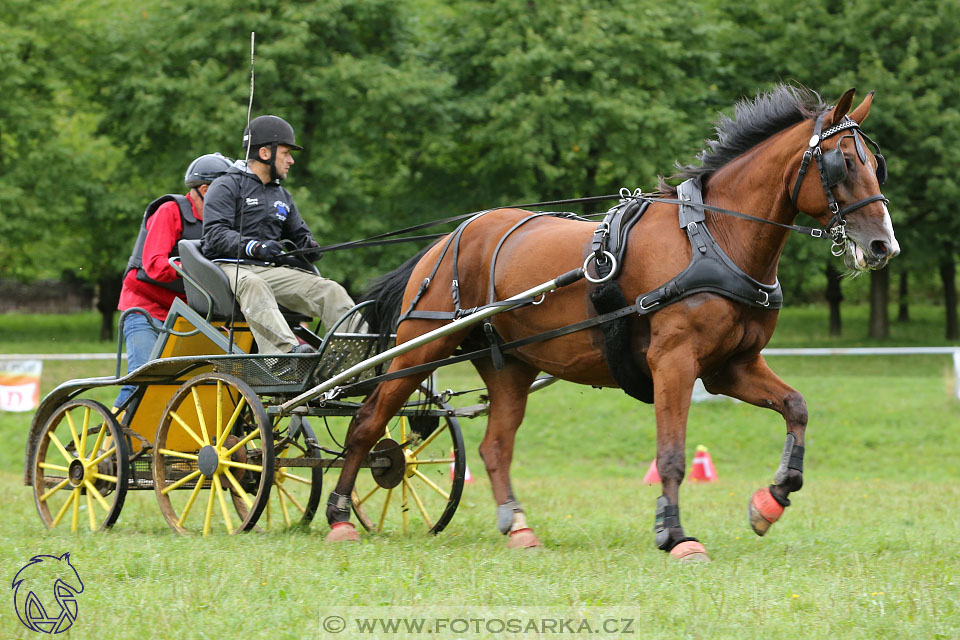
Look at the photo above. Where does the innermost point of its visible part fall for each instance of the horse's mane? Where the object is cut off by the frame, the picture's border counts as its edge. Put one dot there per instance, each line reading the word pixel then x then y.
pixel 387 290
pixel 754 120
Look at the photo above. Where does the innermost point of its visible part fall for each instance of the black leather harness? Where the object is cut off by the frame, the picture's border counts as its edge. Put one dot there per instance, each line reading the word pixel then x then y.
pixel 710 271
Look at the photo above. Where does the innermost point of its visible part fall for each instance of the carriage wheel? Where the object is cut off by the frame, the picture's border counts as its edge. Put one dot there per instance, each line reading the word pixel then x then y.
pixel 213 456
pixel 420 491
pixel 85 469
pixel 297 491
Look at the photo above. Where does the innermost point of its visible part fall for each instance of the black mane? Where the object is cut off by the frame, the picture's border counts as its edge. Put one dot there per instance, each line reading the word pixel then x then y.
pixel 754 120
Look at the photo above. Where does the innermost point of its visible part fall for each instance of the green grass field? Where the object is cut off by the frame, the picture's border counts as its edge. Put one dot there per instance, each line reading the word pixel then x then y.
pixel 868 549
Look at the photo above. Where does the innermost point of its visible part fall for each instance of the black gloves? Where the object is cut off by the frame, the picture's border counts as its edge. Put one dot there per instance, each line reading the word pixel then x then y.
pixel 273 251
pixel 268 250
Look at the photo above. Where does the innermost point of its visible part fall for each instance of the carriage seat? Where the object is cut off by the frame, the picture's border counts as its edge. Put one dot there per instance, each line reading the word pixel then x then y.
pixel 205 273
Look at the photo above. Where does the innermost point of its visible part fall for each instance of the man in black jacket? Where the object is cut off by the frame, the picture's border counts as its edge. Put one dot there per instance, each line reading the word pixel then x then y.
pixel 249 220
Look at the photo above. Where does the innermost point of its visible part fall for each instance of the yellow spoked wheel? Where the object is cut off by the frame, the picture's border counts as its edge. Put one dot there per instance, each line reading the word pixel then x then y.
pixel 80 467
pixel 421 487
pixel 213 456
pixel 297 491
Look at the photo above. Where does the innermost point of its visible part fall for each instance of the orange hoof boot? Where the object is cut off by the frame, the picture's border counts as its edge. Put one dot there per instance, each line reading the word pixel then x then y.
pixel 764 510
pixel 343 532
pixel 523 539
pixel 690 551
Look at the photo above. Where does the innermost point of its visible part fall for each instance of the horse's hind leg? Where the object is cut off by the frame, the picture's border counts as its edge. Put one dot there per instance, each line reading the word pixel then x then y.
pixel 754 382
pixel 508 389
pixel 369 425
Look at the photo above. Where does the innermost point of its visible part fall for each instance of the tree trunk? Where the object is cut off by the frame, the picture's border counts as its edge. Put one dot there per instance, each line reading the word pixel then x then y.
pixel 108 295
pixel 948 273
pixel 834 297
pixel 879 297
pixel 903 314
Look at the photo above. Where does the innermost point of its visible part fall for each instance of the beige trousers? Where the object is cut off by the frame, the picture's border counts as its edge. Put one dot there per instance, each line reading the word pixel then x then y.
pixel 261 289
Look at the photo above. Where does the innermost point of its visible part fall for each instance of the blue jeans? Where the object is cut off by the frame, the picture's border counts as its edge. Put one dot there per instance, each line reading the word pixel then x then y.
pixel 140 338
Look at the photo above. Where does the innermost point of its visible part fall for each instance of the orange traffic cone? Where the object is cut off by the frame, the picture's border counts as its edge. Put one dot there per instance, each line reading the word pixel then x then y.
pixel 467 476
pixel 703 469
pixel 653 476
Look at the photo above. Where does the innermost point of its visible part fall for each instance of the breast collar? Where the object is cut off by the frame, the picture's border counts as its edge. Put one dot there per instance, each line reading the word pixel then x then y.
pixel 710 269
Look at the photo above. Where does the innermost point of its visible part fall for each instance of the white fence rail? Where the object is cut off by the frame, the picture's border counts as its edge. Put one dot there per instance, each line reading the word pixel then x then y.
pixel 879 351
pixel 825 351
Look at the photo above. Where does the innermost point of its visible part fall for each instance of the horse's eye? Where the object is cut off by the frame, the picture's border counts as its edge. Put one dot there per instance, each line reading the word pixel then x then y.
pixel 849 161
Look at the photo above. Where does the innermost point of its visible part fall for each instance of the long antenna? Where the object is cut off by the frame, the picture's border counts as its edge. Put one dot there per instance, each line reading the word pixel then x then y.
pixel 250 104
pixel 246 158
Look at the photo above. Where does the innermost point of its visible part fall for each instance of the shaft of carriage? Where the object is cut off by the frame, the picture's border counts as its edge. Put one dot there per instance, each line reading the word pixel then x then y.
pixel 330 385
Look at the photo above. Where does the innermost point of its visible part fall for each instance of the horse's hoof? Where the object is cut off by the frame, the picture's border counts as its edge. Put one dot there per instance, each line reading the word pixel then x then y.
pixel 523 539
pixel 690 551
pixel 343 532
pixel 763 511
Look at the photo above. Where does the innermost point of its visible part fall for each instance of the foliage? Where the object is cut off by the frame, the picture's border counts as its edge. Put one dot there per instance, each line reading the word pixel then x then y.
pixel 909 58
pixel 559 100
pixel 342 73
pixel 413 110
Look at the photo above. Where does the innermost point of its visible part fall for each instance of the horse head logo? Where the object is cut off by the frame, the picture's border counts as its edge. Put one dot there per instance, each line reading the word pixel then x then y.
pixel 37 610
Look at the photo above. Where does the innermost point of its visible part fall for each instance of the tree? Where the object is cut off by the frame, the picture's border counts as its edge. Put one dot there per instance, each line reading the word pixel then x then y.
pixel 834 296
pixel 910 59
pixel 368 110
pixel 559 100
pixel 63 201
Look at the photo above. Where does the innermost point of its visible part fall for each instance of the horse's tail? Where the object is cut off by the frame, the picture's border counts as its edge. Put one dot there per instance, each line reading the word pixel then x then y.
pixel 387 290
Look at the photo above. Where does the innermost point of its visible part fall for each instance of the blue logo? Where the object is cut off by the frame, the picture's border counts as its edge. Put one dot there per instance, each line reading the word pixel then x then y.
pixel 37 608
pixel 282 209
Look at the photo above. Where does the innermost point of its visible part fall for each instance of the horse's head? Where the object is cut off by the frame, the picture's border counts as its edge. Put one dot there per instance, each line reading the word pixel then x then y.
pixel 838 183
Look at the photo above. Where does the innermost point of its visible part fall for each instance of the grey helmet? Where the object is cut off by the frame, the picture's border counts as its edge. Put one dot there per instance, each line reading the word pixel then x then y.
pixel 206 169
pixel 269 130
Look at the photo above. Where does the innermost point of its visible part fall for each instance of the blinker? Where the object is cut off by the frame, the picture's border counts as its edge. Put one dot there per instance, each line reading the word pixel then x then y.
pixel 834 167
pixel 881 168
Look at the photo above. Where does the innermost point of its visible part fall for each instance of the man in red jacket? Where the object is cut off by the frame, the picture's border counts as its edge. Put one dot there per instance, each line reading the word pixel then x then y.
pixel 150 283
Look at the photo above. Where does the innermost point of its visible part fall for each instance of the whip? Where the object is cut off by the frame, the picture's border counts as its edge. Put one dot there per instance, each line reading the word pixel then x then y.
pixel 246 158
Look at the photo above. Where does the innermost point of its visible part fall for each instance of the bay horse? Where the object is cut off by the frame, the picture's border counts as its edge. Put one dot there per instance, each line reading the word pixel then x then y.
pixel 765 161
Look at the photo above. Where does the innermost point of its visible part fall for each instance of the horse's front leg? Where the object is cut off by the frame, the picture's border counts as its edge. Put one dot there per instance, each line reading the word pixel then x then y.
pixel 674 373
pixel 753 381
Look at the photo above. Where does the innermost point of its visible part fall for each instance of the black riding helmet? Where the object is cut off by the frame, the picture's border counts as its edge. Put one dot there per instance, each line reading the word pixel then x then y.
pixel 269 131
pixel 206 169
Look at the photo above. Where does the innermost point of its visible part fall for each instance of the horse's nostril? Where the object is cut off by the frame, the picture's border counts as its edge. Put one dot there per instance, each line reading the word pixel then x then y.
pixel 879 248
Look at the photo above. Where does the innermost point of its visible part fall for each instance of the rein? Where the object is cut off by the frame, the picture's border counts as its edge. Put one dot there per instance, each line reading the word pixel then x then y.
pixel 379 239
pixel 807 231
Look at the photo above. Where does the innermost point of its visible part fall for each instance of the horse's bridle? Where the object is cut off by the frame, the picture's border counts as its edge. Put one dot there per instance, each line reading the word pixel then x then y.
pixel 833 170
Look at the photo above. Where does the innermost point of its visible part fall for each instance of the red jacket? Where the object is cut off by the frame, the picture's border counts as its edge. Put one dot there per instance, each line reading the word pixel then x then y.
pixel 164 229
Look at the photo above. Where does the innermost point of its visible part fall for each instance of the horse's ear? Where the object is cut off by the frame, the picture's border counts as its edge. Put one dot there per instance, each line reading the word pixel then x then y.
pixel 843 106
pixel 860 113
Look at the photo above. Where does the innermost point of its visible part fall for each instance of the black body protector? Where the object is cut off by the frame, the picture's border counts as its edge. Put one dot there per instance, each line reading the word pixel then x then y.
pixel 192 230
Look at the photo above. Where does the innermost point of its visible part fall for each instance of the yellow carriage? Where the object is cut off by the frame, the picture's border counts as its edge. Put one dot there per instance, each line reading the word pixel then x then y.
pixel 213 431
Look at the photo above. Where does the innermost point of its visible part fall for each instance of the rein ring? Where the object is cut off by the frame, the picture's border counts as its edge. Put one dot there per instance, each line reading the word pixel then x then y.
pixel 593 256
